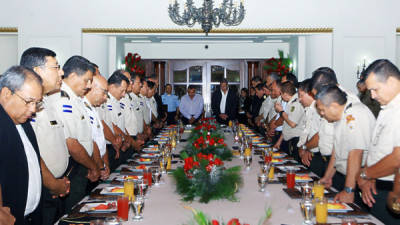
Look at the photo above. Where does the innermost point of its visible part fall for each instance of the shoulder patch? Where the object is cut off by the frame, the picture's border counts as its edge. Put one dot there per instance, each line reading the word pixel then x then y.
pixel 67 108
pixel 88 106
pixel 64 95
pixel 292 109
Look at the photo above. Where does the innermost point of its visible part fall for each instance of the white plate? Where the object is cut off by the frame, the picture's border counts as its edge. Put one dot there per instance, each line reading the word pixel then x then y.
pixel 348 208
pixel 122 177
pixel 281 155
pixel 87 208
pixel 148 155
pixel 108 191
pixel 143 162
pixel 285 168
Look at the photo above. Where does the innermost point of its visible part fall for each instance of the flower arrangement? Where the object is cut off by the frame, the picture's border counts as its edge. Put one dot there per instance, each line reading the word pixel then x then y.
pixel 204 176
pixel 282 66
pixel 133 63
pixel 206 139
pixel 202 219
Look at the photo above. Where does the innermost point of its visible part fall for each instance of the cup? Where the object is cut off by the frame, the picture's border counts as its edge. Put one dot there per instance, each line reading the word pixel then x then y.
pixel 321 210
pixel 112 220
pixel 147 177
pixel 156 176
pixel 123 207
pixel 142 190
pixel 138 207
pixel 307 210
pixel 290 178
pixel 97 222
pixel 262 180
pixel 307 190
pixel 265 168
pixel 318 190
pixel 271 173
pixel 129 188
pixel 247 161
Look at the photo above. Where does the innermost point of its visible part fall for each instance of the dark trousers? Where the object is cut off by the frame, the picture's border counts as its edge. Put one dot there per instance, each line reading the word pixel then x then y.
pixel 53 208
pixel 171 118
pixel 275 138
pixel 242 118
pixel 290 148
pixel 379 209
pixel 339 181
pixel 111 157
pixel 78 187
pixel 186 121
pixel 317 164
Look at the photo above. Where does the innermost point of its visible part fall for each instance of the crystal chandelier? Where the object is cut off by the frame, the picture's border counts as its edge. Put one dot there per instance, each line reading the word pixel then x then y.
pixel 228 13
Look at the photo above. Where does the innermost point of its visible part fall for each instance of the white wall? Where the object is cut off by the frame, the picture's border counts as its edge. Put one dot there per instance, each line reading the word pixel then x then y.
pixel 318 52
pixel 8 51
pixel 367 26
pixel 95 48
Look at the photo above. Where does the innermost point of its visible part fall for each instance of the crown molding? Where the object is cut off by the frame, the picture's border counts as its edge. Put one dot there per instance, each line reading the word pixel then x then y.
pixel 8 30
pixel 216 31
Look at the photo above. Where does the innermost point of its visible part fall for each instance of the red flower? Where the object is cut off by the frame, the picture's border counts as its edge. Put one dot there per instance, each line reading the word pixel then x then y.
pixel 196 164
pixel 234 221
pixel 209 167
pixel 215 222
pixel 218 162
pixel 210 157
pixel 129 54
pixel 188 163
pixel 212 141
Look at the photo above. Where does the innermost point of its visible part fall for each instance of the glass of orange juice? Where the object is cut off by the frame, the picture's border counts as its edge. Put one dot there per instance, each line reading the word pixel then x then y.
pixel 321 210
pixel 318 190
pixel 129 189
pixel 271 173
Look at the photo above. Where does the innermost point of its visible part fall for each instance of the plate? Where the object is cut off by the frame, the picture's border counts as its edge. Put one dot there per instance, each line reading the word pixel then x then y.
pixel 122 178
pixel 112 191
pixel 279 155
pixel 149 155
pixel 263 145
pixel 285 168
pixel 303 178
pixel 277 161
pixel 107 207
pixel 338 207
pixel 143 161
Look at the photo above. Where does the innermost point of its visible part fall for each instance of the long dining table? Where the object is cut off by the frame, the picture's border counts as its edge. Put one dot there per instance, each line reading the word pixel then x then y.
pixel 164 206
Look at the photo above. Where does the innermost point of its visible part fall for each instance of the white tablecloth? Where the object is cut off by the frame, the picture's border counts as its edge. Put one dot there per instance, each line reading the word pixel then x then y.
pixel 164 207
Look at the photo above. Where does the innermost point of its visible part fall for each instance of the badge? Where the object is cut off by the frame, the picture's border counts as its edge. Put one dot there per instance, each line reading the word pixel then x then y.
pixel 349 121
pixel 292 109
pixel 53 122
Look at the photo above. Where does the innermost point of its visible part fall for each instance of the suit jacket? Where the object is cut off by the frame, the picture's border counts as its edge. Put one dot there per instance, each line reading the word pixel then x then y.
pixel 14 168
pixel 231 105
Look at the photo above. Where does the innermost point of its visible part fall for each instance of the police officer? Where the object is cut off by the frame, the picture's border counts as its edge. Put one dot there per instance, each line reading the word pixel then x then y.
pixel 49 132
pixel 353 127
pixel 376 179
pixel 78 75
pixel 308 148
pixel 137 108
pixel 292 116
pixel 117 85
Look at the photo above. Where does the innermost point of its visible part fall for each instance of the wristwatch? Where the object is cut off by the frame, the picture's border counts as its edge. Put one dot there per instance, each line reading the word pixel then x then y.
pixel 280 113
pixel 363 175
pixel 304 147
pixel 348 189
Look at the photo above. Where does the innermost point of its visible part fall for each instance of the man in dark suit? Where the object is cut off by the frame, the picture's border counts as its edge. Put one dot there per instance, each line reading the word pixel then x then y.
pixel 224 103
pixel 20 174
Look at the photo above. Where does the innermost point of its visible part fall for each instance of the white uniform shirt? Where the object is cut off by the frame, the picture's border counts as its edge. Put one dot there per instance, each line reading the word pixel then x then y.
pixel 145 109
pixel 34 176
pixel 152 104
pixel 266 107
pixel 271 113
pixel 74 117
pixel 352 131
pixel 138 110
pixel 97 127
pixel 295 112
pixel 223 101
pixel 49 130
pixel 129 115
pixel 309 125
pixel 114 111
pixel 386 135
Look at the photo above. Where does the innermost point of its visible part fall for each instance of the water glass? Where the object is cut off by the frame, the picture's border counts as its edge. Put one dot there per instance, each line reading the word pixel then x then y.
pixel 247 161
pixel 307 190
pixel 156 176
pixel 138 207
pixel 262 180
pixel 307 210
pixel 142 190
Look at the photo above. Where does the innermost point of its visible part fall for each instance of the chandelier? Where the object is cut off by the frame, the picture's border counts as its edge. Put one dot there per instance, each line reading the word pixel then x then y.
pixel 229 13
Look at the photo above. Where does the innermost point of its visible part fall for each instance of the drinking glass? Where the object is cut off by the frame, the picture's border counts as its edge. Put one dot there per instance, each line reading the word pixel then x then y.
pixel 138 207
pixel 318 190
pixel 349 221
pixel 290 178
pixel 247 161
pixel 147 176
pixel 307 210
pixel 262 180
pixel 265 168
pixel 129 188
pixel 123 206
pixel 321 210
pixel 156 176
pixel 307 190
pixel 142 190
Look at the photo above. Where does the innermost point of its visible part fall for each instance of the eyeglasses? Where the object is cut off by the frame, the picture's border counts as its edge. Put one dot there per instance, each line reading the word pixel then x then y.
pixel 37 104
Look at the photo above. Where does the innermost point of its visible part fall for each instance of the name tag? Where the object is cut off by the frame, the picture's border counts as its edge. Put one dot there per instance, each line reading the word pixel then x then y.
pixel 53 122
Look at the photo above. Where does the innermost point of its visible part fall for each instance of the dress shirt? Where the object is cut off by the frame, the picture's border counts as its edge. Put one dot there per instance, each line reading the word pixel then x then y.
pixel 352 131
pixel 283 103
pixel 145 108
pixel 129 114
pixel 171 101
pixel 34 178
pixel 189 107
pixel 309 125
pixel 223 101
pixel 386 134
pixel 115 113
pixel 138 110
pixel 152 106
pixel 97 127
pixel 295 113
pixel 49 130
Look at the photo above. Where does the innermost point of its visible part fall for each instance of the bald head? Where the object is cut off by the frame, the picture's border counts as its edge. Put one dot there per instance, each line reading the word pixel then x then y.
pixel 98 93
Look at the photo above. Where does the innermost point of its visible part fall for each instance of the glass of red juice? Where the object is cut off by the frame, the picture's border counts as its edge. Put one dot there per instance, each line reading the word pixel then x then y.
pixel 290 178
pixel 147 177
pixel 123 208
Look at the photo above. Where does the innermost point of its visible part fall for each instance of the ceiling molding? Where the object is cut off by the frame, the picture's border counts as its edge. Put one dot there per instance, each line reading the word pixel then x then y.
pixel 8 30
pixel 216 31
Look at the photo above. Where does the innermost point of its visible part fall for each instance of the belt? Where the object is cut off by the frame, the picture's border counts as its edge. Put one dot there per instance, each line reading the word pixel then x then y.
pixel 384 185
pixel 326 158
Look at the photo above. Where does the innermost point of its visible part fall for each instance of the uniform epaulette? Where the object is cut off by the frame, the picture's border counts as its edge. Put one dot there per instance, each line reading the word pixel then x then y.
pixel 87 105
pixel 348 107
pixel 295 100
pixel 64 94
